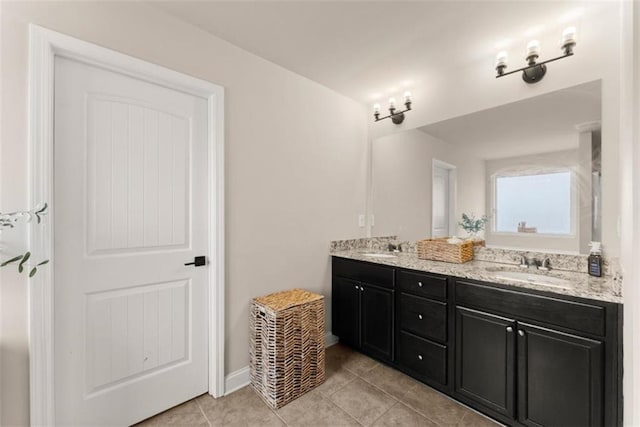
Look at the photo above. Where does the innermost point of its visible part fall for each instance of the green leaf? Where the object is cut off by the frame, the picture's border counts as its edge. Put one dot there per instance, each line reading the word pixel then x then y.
pixel 20 268
pixel 46 261
pixel 9 261
pixel 33 272
pixel 25 257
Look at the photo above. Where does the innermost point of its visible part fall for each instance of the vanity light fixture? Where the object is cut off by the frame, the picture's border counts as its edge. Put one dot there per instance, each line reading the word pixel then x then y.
pixel 397 117
pixel 535 71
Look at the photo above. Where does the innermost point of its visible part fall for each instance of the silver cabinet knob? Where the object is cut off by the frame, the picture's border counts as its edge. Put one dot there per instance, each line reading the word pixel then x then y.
pixel 420 316
pixel 509 329
pixel 521 332
pixel 361 289
pixel 419 284
pixel 357 287
pixel 419 357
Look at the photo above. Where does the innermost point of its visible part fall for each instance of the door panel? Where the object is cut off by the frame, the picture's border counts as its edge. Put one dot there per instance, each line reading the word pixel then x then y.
pixel 130 208
pixel 131 332
pixel 559 378
pixel 485 363
pixel 346 323
pixel 134 149
pixel 377 321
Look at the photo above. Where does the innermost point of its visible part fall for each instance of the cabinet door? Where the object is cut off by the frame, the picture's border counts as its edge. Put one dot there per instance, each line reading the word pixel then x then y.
pixel 559 378
pixel 346 311
pixel 377 321
pixel 485 359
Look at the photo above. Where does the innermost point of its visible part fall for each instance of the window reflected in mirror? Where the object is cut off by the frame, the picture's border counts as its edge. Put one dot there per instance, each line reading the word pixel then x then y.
pixel 534 203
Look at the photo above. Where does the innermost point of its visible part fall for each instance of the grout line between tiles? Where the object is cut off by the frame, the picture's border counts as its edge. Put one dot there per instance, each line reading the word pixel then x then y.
pixel 328 395
pixel 347 412
pixel 279 417
pixel 202 411
pixel 343 410
pixel 385 412
pixel 368 383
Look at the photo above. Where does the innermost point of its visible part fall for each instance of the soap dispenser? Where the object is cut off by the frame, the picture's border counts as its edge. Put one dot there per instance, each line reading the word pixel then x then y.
pixel 595 259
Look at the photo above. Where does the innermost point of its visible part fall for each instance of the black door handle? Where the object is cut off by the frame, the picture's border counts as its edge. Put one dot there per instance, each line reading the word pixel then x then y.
pixel 198 261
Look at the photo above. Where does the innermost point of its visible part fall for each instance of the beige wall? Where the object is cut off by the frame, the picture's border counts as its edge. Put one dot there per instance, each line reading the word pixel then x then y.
pixel 559 159
pixel 464 90
pixel 402 166
pixel 295 164
pixel 630 172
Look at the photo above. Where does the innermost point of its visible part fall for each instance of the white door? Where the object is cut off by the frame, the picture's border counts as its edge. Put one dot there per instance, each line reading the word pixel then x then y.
pixel 441 211
pixel 130 209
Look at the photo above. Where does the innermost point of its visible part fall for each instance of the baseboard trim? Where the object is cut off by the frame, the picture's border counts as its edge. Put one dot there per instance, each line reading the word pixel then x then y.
pixel 236 380
pixel 240 378
pixel 330 339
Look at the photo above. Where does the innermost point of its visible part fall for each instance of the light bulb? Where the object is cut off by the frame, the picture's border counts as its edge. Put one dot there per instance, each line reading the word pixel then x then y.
pixel 407 97
pixel 376 108
pixel 501 59
pixel 392 103
pixel 569 36
pixel 533 48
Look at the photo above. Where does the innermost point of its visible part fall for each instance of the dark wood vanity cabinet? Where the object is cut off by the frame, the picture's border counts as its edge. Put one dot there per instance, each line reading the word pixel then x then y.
pixel 560 378
pixel 522 357
pixel 422 327
pixel 485 359
pixel 364 312
pixel 537 359
pixel 346 311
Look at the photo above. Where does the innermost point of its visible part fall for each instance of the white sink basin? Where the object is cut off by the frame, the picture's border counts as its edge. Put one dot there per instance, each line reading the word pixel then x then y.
pixel 538 279
pixel 379 255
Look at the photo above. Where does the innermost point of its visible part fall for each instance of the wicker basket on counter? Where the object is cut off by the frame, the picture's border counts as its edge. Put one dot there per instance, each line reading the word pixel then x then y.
pixel 439 250
pixel 287 345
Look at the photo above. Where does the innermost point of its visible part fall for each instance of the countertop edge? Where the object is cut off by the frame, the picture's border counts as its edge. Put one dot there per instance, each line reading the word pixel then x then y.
pixel 585 286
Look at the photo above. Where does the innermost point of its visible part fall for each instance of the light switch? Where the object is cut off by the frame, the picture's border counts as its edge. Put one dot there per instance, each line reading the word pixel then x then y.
pixel 361 222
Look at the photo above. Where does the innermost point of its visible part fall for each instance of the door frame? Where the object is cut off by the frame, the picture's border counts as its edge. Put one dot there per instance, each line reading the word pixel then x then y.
pixel 452 194
pixel 44 46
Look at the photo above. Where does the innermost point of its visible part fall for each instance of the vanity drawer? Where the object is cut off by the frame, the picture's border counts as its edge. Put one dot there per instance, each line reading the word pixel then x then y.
pixel 423 317
pixel 424 285
pixel 426 359
pixel 363 272
pixel 569 314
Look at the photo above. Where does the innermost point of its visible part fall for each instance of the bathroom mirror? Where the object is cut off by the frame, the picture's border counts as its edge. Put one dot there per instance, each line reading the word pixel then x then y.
pixel 534 167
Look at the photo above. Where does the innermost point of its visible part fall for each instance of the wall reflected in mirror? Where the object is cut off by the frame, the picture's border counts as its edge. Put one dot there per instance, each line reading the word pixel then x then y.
pixel 534 167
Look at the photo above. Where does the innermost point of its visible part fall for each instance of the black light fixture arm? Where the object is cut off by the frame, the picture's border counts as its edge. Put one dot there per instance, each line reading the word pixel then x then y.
pixel 535 71
pixel 535 64
pixel 396 116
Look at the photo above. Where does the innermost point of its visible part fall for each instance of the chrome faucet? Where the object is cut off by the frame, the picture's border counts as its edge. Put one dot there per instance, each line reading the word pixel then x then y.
pixel 546 265
pixel 526 263
pixel 395 248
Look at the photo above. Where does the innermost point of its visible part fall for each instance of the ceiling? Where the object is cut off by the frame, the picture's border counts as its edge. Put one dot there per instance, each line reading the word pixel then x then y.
pixel 370 50
pixel 545 123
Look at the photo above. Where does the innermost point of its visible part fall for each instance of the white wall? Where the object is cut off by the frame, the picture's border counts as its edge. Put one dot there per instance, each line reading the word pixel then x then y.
pixel 402 166
pixel 295 161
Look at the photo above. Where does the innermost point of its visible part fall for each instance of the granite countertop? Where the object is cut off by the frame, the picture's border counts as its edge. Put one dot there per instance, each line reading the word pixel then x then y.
pixel 581 284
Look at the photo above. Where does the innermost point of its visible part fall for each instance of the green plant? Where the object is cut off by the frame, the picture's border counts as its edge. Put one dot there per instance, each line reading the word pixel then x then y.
pixel 472 225
pixel 9 220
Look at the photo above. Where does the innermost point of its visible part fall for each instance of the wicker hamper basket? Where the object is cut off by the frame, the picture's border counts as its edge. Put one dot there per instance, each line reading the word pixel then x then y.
pixel 287 345
pixel 439 250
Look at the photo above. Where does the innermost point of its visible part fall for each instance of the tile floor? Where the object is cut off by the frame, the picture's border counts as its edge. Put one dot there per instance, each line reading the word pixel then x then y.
pixel 358 391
